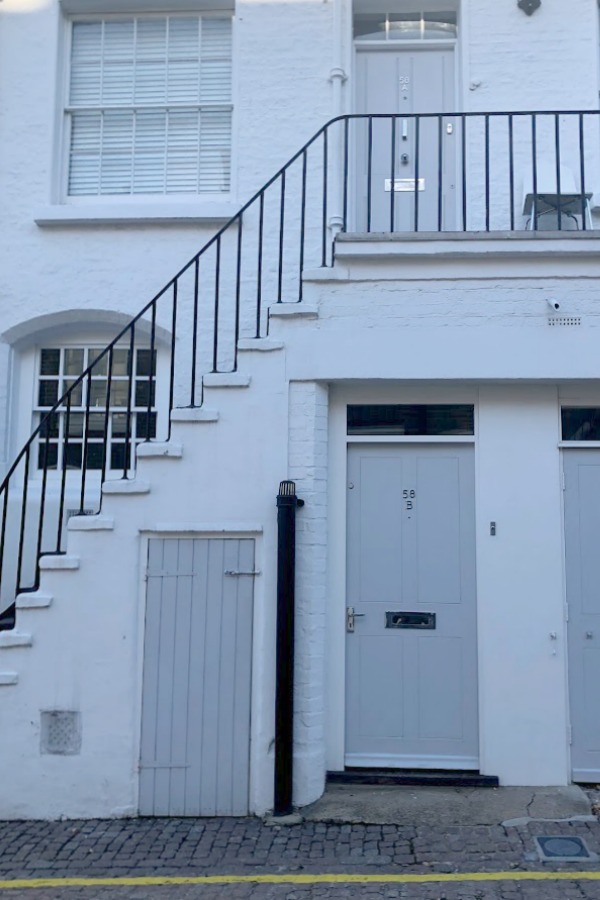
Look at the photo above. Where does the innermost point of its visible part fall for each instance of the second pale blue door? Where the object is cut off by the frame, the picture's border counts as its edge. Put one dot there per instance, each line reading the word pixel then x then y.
pixel 411 651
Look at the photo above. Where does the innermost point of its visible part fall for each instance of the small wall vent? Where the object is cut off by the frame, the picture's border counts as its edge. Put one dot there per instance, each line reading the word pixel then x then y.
pixel 60 732
pixel 564 321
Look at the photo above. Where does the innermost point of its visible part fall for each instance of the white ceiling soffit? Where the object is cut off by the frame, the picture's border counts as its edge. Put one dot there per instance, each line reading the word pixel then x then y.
pixel 95 7
pixel 405 6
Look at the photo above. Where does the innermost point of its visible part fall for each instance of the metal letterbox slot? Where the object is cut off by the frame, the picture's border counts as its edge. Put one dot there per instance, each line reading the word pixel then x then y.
pixel 403 185
pixel 410 620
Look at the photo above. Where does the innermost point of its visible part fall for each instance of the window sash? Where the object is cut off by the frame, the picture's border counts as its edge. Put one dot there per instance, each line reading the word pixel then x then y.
pixel 119 450
pixel 153 117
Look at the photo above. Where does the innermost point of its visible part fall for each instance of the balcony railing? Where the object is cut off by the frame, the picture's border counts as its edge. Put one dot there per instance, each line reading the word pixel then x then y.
pixel 438 173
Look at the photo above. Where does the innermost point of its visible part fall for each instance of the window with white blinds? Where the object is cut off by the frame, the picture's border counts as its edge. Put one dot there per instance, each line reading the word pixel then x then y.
pixel 149 108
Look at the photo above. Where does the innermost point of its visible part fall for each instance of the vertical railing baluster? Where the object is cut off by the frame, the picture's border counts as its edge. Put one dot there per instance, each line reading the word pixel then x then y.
pixel 151 373
pixel 558 179
pixel 464 170
pixel 535 172
pixel 42 508
pixel 238 289
pixel 3 531
pixel 107 413
pixel 130 389
pixel 393 175
pixel 194 332
pixel 511 169
pixel 281 239
pixel 417 164
pixel 63 474
pixel 582 172
pixel 261 225
pixel 86 429
pixel 440 173
pixel 346 161
pixel 174 344
pixel 487 173
pixel 325 193
pixel 369 170
pixel 302 225
pixel 23 518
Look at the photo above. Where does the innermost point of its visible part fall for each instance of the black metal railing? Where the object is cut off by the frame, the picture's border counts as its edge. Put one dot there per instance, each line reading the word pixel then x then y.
pixel 359 173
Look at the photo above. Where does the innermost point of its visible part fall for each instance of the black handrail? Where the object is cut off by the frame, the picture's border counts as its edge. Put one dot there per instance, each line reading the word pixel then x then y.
pixel 364 173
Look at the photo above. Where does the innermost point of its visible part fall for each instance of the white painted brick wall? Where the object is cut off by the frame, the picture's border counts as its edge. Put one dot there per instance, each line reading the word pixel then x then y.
pixel 308 437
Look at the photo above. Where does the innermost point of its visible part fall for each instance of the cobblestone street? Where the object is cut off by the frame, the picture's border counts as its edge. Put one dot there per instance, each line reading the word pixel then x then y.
pixel 195 848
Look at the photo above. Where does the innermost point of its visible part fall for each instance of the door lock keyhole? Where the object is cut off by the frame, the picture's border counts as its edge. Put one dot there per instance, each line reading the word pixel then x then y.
pixel 405 159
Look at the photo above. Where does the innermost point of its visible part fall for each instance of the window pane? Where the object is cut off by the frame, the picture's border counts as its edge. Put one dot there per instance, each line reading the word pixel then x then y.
pixel 413 419
pixel 142 391
pixel 119 393
pixel 76 393
pixel 96 425
pixel 101 367
pixel 73 362
pixel 143 362
pixel 95 454
pixel 75 425
pixel 370 27
pixel 98 393
pixel 72 453
pixel 49 362
pixel 118 457
pixel 580 423
pixel 51 459
pixel 141 426
pixel 50 425
pixel 47 393
pixel 120 362
pixel 119 424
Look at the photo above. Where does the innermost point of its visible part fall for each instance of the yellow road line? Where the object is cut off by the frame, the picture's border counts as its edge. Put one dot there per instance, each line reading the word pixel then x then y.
pixel 438 878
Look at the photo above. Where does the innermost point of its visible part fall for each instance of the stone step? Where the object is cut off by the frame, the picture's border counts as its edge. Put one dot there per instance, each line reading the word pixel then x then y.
pixel 127 486
pixel 226 380
pixel 159 450
pixel 91 523
pixel 8 678
pixel 194 414
pixel 34 600
pixel 55 562
pixel 11 639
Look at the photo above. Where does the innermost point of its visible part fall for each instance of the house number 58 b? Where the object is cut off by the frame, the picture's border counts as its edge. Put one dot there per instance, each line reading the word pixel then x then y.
pixel 408 497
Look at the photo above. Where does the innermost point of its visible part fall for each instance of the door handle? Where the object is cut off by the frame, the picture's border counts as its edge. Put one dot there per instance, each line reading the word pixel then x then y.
pixel 351 616
pixel 404 129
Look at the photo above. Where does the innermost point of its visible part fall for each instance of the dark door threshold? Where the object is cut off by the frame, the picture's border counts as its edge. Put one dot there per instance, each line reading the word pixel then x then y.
pixel 413 778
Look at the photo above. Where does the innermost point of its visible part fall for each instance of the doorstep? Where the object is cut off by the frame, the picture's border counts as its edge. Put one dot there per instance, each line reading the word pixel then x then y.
pixel 448 806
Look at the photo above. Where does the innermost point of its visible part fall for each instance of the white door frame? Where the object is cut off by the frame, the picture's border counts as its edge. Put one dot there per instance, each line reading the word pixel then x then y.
pixel 340 397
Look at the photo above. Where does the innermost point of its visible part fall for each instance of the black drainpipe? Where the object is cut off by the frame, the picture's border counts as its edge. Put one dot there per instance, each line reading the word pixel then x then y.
pixel 287 503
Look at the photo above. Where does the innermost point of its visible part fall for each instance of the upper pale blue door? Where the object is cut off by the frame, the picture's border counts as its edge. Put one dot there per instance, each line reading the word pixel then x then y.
pixel 404 82
pixel 582 542
pixel 411 660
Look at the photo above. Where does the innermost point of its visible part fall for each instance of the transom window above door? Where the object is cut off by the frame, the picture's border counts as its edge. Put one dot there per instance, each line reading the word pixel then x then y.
pixel 149 105
pixel 408 26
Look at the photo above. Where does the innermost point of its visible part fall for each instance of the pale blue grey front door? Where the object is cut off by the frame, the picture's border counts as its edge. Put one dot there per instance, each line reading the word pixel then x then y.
pixel 582 540
pixel 403 82
pixel 411 658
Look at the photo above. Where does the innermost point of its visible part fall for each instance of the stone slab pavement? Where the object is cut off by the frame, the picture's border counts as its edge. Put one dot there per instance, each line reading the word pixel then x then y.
pixel 445 861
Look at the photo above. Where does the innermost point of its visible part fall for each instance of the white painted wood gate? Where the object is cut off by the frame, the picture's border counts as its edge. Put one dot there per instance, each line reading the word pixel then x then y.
pixel 195 738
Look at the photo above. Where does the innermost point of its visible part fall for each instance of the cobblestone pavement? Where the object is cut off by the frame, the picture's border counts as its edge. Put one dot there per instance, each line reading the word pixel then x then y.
pixel 199 847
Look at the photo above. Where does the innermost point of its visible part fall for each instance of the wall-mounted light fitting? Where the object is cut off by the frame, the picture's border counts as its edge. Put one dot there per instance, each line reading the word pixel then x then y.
pixel 529 6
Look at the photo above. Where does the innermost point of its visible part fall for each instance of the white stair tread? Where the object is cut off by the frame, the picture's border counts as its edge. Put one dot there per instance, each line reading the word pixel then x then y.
pixel 10 639
pixel 34 600
pixel 91 523
pixel 126 486
pixel 159 450
pixel 194 414
pixel 261 345
pixel 226 380
pixel 293 311
pixel 54 562
pixel 8 678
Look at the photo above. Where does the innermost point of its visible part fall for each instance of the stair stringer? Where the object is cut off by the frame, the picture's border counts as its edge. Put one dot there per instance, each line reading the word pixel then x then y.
pixel 87 647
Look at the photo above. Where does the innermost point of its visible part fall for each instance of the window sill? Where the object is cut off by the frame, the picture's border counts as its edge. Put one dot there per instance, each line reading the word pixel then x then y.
pixel 160 213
